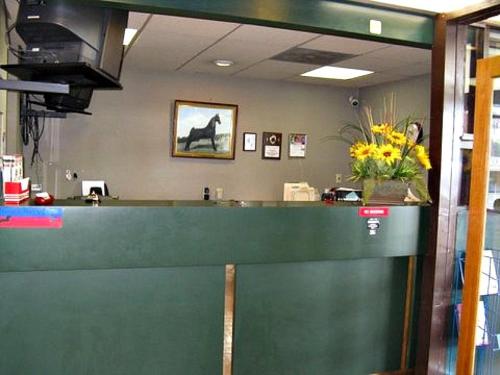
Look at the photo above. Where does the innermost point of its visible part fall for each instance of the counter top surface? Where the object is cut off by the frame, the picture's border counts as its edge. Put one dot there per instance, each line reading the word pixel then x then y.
pixel 198 203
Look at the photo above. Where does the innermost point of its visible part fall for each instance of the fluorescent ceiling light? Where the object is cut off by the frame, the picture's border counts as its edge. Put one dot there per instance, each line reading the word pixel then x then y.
pixel 223 63
pixel 333 72
pixel 129 35
pixel 440 6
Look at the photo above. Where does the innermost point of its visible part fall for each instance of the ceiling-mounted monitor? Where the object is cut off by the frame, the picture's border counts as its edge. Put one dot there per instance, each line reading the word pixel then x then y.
pixel 70 43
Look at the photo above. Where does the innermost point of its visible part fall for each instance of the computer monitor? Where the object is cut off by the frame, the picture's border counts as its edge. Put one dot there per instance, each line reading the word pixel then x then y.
pixel 96 186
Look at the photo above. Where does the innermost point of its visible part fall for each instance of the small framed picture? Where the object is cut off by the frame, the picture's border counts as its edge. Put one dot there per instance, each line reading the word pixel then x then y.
pixel 249 141
pixel 271 145
pixel 297 145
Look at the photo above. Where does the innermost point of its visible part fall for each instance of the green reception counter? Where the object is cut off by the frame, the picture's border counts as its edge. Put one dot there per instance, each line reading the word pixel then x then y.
pixel 143 288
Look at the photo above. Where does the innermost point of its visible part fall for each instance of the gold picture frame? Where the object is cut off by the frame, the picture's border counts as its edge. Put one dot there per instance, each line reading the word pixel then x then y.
pixel 204 130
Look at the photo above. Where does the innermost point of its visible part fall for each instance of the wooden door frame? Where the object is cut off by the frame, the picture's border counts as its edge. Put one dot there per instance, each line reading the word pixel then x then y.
pixel 487 70
pixel 447 118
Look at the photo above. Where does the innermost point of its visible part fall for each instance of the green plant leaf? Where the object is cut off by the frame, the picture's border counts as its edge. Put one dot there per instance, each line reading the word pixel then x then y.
pixel 421 187
pixel 368 188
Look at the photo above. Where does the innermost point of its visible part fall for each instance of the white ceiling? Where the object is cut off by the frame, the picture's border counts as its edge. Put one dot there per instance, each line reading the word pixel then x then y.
pixel 170 43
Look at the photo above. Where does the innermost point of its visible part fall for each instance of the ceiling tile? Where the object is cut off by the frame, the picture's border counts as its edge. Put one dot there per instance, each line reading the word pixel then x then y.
pixel 162 27
pixel 163 34
pixel 243 55
pixel 321 81
pixel 344 45
pixel 410 70
pixel 251 35
pixel 246 46
pixel 368 62
pixel 156 59
pixel 407 55
pixel 272 69
pixel 168 42
pixel 136 20
pixel 375 79
pixel 311 56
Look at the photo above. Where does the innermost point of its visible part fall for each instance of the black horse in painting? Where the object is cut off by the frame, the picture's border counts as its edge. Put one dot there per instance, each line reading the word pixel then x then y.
pixel 208 132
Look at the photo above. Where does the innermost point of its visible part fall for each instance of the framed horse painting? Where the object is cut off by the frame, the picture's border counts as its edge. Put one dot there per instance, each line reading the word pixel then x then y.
pixel 204 130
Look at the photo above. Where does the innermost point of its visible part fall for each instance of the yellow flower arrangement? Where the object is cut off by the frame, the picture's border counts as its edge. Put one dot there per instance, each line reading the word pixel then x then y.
pixel 389 150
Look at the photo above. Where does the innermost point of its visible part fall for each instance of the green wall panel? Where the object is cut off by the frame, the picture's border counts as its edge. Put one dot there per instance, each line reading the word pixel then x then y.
pixel 148 321
pixel 125 237
pixel 321 318
pixel 323 16
pixel 315 293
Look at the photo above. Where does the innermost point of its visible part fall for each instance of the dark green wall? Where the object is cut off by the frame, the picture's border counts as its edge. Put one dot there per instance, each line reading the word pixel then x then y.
pixel 322 16
pixel 322 318
pixel 141 321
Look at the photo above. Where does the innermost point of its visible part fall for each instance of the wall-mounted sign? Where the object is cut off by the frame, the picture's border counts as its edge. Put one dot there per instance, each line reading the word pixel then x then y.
pixel 297 145
pixel 373 211
pixel 372 224
pixel 249 141
pixel 271 145
pixel 31 217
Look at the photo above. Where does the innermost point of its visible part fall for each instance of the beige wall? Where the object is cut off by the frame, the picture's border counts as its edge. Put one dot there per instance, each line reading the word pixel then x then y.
pixel 127 139
pixel 413 98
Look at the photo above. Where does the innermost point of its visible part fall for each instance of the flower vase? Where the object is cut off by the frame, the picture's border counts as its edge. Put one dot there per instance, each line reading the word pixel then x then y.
pixel 383 191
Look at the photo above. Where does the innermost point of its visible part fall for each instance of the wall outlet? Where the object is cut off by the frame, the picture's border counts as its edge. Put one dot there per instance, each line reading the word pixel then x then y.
pixel 36 187
pixel 338 178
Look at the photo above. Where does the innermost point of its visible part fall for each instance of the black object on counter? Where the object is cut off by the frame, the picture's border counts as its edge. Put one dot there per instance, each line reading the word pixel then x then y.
pixel 328 195
pixel 206 193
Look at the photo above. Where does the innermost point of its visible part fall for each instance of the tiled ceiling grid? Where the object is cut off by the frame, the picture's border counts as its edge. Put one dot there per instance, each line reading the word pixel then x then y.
pixel 191 45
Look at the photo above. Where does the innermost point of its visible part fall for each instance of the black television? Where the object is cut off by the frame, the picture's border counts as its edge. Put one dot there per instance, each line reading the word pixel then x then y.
pixel 70 43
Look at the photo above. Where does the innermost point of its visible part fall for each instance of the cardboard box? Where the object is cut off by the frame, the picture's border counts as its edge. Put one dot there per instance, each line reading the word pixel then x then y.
pixel 16 192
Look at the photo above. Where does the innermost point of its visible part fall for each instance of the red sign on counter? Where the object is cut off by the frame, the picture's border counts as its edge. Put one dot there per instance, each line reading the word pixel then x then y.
pixel 373 211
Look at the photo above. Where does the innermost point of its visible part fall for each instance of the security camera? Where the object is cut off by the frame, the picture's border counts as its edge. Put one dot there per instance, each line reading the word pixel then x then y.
pixel 353 101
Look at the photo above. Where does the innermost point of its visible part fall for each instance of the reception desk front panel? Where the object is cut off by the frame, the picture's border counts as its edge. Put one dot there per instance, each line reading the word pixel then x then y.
pixel 136 289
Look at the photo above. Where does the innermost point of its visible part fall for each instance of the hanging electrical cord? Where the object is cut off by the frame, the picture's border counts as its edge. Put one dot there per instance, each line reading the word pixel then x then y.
pixel 31 127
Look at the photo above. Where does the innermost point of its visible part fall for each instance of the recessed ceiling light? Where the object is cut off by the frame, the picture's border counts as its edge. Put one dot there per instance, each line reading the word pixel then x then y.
pixel 333 72
pixel 223 63
pixel 129 35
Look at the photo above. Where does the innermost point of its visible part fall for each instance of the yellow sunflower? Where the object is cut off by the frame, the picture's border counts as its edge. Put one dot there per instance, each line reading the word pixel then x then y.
pixel 389 153
pixel 364 150
pixel 354 148
pixel 423 157
pixel 397 138
pixel 381 128
pixel 419 149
